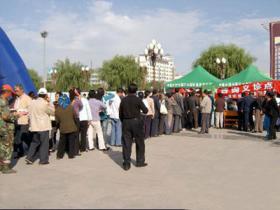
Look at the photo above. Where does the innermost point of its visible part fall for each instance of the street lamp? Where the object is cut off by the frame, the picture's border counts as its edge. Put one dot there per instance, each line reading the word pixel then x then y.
pixel 53 74
pixel 221 62
pixel 85 74
pixel 44 35
pixel 154 53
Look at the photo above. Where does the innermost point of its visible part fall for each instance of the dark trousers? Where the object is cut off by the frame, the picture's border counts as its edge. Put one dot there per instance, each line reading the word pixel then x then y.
pixel 77 139
pixel 147 126
pixel 22 139
pixel 52 143
pixel 83 135
pixel 240 120
pixel 162 124
pixel 39 147
pixel 195 118
pixel 133 129
pixel 246 120
pixel 272 128
pixel 66 143
pixel 177 123
pixel 189 120
pixel 205 117
pixel 155 126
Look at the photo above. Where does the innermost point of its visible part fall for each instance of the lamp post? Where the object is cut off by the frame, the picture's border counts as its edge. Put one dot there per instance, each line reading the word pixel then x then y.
pixel 221 62
pixel 44 35
pixel 53 74
pixel 154 53
pixel 85 74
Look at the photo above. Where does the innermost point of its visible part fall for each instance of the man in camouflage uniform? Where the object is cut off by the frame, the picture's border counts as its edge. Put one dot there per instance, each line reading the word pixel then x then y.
pixel 7 120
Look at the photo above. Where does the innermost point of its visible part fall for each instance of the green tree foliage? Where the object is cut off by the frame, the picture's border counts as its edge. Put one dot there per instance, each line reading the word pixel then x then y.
pixel 237 59
pixel 121 71
pixel 70 75
pixel 36 78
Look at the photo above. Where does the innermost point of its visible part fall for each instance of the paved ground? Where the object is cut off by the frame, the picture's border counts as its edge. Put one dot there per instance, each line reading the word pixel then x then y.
pixel 225 170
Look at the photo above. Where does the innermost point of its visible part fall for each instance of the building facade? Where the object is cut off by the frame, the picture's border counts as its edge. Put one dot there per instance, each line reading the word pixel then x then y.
pixel 274 29
pixel 164 70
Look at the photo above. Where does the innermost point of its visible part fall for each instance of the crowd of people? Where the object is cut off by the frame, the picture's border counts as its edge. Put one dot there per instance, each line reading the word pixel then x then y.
pixel 74 123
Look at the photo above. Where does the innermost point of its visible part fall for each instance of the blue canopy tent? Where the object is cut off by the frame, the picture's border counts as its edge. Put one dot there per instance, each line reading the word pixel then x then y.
pixel 12 69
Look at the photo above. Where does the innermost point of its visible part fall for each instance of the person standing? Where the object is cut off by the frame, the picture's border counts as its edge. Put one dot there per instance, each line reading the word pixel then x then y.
pixel 170 103
pixel 240 102
pixel 132 127
pixel 219 112
pixel 40 125
pixel 22 136
pixel 259 117
pixel 178 111
pixel 271 109
pixel 55 125
pixel 75 98
pixel 114 104
pixel 149 103
pixel 206 106
pixel 163 115
pixel 212 119
pixel 7 120
pixel 155 120
pixel 84 117
pixel 65 117
pixel 247 111
pixel 194 109
pixel 95 129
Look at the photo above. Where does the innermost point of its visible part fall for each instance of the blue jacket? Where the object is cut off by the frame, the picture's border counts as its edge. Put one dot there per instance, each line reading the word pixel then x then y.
pixel 247 103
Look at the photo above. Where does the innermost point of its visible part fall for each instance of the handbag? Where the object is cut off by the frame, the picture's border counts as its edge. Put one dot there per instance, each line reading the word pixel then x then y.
pixel 163 109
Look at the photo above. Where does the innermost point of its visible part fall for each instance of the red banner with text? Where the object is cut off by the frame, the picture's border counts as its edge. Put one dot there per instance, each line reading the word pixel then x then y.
pixel 255 87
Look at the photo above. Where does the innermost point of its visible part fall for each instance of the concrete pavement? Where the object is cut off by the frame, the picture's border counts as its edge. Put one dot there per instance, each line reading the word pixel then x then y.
pixel 223 170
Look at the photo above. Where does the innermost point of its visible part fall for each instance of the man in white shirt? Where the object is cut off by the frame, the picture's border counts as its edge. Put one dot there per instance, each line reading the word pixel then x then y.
pixel 114 104
pixel 22 136
pixel 85 117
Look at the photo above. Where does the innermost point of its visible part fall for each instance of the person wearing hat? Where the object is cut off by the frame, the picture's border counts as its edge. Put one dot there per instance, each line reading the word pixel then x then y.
pixel 7 120
pixel 40 125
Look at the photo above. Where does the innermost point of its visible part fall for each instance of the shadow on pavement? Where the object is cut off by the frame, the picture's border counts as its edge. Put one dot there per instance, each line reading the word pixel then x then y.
pixel 116 156
pixel 251 135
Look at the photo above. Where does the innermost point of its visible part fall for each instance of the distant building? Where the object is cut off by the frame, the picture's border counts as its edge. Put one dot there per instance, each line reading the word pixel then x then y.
pixel 274 29
pixel 164 70
pixel 94 79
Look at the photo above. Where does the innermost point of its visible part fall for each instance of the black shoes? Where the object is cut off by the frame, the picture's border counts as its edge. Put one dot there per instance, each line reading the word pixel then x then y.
pixel 106 149
pixel 44 163
pixel 141 164
pixel 126 166
pixel 28 162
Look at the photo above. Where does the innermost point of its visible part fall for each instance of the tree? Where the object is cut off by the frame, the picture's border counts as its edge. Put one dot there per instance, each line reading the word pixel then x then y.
pixel 36 78
pixel 121 71
pixel 70 75
pixel 237 59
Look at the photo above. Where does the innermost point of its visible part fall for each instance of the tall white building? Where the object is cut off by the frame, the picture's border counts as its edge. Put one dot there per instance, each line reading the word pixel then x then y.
pixel 165 69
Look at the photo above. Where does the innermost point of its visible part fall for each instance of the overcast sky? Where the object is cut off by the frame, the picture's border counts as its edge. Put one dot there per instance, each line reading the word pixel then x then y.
pixel 85 30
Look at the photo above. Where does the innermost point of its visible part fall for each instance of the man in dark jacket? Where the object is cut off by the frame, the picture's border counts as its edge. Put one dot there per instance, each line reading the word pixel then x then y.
pixel 190 109
pixel 132 127
pixel 240 102
pixel 178 112
pixel 247 110
pixel 271 109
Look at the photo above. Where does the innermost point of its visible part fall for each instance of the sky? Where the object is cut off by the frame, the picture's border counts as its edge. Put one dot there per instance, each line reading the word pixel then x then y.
pixel 91 30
